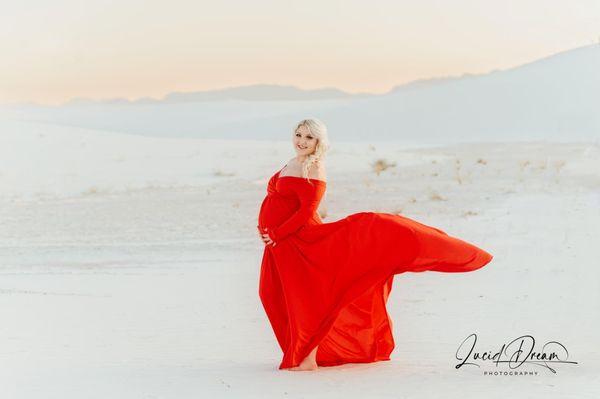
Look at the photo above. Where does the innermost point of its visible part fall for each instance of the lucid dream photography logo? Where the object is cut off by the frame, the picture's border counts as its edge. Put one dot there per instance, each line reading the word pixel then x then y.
pixel 518 357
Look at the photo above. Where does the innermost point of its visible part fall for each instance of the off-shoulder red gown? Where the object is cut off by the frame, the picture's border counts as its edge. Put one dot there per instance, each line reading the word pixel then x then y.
pixel 327 284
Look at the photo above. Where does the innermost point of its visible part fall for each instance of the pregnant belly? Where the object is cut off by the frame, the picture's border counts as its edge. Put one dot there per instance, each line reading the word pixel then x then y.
pixel 273 212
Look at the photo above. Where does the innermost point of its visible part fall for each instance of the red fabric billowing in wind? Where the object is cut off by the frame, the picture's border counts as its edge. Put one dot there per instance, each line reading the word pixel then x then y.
pixel 327 284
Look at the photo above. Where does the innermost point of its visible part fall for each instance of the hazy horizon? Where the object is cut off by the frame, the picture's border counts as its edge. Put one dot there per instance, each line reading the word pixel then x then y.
pixel 65 50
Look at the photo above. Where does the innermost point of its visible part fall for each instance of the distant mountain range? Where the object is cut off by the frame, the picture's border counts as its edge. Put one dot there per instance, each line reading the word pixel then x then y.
pixel 258 92
pixel 262 92
pixel 553 98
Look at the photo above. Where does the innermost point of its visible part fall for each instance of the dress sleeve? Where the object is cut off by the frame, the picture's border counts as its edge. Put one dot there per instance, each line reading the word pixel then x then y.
pixel 310 196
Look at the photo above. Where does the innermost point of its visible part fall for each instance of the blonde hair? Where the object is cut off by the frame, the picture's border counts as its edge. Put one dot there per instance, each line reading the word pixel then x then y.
pixel 319 131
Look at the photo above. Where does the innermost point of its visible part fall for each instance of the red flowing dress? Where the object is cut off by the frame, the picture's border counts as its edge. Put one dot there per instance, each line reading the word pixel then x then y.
pixel 327 284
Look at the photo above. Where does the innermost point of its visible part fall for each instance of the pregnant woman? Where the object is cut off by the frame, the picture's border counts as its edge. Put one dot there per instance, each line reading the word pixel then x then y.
pixel 324 286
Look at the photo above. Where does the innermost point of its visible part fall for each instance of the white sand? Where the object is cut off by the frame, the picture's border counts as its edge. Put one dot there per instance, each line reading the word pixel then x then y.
pixel 129 266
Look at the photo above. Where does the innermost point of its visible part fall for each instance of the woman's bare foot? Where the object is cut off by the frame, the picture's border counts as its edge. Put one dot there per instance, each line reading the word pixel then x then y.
pixel 309 363
pixel 305 367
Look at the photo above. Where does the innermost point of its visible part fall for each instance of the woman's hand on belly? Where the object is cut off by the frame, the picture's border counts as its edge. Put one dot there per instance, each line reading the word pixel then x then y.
pixel 265 236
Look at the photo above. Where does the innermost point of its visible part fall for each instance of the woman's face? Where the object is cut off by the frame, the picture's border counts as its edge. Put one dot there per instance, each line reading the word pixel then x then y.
pixel 304 142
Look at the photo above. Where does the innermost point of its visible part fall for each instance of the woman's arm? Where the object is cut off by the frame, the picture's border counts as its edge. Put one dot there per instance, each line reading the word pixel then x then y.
pixel 310 197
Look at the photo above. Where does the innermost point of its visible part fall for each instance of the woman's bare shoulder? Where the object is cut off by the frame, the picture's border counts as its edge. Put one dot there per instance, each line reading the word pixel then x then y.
pixel 317 171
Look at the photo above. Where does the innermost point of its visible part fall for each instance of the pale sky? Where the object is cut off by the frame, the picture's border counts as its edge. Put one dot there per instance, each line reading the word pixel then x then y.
pixel 52 51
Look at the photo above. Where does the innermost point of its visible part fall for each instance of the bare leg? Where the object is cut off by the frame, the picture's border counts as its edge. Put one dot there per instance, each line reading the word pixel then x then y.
pixel 309 363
